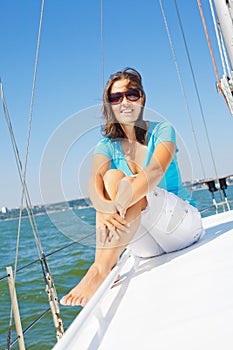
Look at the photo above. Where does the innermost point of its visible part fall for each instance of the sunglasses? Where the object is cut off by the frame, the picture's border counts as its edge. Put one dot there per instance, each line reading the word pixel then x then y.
pixel 131 95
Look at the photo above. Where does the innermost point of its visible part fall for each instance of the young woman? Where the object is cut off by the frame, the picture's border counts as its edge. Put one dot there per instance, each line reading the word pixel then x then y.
pixel 135 186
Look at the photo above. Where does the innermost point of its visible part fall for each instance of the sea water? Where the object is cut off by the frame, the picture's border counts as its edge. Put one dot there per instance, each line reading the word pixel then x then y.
pixel 67 266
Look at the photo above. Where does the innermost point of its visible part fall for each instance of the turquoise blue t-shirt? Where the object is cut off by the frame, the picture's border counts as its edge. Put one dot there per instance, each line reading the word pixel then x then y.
pixel 157 132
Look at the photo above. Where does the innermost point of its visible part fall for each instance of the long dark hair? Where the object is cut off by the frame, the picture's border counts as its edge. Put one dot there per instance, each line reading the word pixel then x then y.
pixel 112 128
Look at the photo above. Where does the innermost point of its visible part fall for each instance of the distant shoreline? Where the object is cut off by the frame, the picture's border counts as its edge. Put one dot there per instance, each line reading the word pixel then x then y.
pixel 82 203
pixel 13 214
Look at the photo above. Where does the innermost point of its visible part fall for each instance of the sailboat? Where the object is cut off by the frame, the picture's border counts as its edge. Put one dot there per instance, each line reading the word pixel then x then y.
pixel 181 300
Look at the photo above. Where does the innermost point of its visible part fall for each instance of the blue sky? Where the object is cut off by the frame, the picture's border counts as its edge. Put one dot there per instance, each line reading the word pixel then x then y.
pixel 69 82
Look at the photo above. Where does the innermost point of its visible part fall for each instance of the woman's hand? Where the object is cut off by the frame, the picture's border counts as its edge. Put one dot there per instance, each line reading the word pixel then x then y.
pixel 111 227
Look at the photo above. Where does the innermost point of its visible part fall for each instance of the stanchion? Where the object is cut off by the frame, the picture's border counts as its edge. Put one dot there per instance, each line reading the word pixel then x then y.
pixel 15 308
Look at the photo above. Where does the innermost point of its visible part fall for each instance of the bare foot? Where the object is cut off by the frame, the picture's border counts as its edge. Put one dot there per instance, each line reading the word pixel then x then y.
pixel 84 290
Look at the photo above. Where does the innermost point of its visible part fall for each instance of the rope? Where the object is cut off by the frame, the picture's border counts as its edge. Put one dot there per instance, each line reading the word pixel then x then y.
pixel 182 88
pixel 208 38
pixel 221 47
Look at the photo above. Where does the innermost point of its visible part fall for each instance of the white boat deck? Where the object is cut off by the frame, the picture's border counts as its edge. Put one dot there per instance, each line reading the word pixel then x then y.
pixel 182 300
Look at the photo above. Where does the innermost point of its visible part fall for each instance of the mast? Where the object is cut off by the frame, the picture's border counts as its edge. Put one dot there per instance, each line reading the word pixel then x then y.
pixel 224 9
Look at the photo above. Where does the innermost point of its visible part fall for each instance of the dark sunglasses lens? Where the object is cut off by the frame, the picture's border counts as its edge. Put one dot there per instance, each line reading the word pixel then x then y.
pixel 133 94
pixel 115 98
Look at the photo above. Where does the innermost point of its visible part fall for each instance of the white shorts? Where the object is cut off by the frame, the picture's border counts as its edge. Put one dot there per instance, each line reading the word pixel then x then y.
pixel 168 223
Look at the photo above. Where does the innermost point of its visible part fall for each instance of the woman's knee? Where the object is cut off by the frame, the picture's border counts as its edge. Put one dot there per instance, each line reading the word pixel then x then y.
pixel 113 176
pixel 125 187
pixel 111 180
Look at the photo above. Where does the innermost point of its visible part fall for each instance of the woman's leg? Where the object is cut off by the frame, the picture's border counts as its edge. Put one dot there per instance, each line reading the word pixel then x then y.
pixel 106 256
pixel 176 225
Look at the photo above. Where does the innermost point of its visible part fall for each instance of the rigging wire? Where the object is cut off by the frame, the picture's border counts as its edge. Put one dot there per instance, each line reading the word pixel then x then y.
pixel 30 118
pixel 51 253
pixel 11 343
pixel 196 89
pixel 31 220
pixel 29 131
pixel 102 41
pixel 32 324
pixel 198 95
pixel 182 88
pixel 50 288
pixel 19 168
pixel 23 172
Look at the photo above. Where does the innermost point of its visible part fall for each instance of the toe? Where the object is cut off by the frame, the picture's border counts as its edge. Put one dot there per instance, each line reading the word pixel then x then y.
pixel 63 301
pixel 84 301
pixel 66 300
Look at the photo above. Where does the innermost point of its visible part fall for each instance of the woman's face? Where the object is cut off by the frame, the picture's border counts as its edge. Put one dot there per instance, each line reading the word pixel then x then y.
pixel 128 110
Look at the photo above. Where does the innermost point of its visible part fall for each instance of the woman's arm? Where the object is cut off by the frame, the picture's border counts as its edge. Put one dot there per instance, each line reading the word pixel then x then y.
pixel 110 223
pixel 131 192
